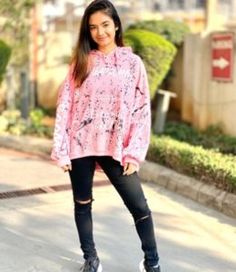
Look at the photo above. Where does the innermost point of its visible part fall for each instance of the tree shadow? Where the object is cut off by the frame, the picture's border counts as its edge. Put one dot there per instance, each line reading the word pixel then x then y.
pixel 39 234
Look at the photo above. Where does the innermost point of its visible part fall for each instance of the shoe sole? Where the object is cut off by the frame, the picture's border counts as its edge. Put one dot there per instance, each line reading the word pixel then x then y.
pixel 141 266
pixel 99 268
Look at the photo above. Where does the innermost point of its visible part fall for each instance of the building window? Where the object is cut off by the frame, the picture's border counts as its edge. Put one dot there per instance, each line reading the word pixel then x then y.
pixel 227 2
pixel 200 3
pixel 176 4
pixel 156 6
pixel 225 7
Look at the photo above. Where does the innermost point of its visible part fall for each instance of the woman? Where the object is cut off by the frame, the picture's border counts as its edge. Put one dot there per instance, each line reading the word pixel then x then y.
pixel 103 120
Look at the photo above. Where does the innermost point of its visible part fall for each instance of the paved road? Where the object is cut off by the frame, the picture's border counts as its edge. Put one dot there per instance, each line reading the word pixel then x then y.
pixel 38 234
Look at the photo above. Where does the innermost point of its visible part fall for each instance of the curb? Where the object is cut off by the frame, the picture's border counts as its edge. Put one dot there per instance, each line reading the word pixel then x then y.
pixel 206 194
pixel 28 144
pixel 189 187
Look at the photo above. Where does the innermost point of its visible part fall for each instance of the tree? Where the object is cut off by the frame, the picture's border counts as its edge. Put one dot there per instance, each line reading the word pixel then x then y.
pixel 16 26
pixel 5 52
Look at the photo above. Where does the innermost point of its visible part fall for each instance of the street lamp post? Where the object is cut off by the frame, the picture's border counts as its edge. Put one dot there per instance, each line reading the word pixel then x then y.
pixel 33 57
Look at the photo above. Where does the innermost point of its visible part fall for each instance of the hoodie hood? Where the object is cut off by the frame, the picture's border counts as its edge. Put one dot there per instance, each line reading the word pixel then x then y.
pixel 114 57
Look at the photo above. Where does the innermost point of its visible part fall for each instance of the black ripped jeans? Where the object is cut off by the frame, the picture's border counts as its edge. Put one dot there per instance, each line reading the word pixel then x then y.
pixel 130 190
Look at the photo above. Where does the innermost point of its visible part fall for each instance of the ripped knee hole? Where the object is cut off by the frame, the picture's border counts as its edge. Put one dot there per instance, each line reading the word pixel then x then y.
pixel 83 201
pixel 142 218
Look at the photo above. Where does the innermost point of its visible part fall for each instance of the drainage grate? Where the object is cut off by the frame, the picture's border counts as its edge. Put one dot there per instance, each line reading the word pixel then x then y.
pixel 44 190
pixel 35 191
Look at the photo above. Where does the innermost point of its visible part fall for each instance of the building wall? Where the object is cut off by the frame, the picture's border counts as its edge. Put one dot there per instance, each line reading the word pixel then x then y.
pixel 52 68
pixel 204 101
pixel 56 39
pixel 175 82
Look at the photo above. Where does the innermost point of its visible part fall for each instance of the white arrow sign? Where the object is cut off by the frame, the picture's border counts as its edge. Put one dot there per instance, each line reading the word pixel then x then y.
pixel 221 63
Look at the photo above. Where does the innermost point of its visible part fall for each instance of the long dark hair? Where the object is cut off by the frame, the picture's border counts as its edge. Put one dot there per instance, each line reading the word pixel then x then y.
pixel 85 42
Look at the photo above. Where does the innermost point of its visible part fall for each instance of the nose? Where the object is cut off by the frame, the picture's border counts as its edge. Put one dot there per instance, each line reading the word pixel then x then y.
pixel 100 31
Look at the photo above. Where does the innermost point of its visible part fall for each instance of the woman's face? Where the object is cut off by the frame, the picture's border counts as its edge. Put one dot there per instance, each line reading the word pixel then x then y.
pixel 102 30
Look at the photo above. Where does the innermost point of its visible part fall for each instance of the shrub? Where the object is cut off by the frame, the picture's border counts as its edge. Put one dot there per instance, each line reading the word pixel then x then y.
pixel 207 165
pixel 36 126
pixel 3 124
pixel 14 123
pixel 211 138
pixel 12 116
pixel 11 122
pixel 171 30
pixel 156 52
pixel 5 53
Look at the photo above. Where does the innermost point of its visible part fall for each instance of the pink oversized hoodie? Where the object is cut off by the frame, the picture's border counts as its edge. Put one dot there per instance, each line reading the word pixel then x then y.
pixel 108 115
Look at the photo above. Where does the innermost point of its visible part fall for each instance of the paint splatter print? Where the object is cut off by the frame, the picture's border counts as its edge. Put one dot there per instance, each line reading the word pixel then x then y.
pixel 108 115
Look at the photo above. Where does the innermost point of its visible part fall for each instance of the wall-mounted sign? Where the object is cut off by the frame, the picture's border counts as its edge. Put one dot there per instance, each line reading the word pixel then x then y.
pixel 222 56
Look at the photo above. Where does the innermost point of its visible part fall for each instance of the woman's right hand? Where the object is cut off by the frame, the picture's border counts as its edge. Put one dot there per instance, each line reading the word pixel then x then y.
pixel 66 167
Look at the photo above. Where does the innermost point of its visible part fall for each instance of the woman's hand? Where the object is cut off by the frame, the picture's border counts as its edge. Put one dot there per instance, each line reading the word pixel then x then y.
pixel 129 168
pixel 66 167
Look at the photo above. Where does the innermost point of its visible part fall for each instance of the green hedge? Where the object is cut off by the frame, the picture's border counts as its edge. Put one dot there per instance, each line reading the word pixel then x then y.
pixel 156 52
pixel 211 138
pixel 171 30
pixel 207 165
pixel 5 53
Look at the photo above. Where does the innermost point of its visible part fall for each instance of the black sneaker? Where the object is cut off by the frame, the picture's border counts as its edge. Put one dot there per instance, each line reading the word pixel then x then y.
pixel 144 268
pixel 91 265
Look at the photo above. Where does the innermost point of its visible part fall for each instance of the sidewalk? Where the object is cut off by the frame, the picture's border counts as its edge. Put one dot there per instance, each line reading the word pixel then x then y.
pixel 38 232
pixel 189 187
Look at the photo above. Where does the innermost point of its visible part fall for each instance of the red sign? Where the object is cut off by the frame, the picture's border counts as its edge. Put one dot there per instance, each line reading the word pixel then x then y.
pixel 222 56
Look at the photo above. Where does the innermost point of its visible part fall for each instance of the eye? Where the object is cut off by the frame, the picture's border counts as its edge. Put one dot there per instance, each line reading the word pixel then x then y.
pixel 92 27
pixel 106 25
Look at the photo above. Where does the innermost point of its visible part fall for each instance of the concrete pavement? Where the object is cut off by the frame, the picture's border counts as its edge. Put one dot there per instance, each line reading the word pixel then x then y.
pixel 152 172
pixel 38 233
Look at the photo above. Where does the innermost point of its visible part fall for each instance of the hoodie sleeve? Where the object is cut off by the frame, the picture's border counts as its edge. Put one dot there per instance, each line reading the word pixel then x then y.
pixel 60 150
pixel 139 133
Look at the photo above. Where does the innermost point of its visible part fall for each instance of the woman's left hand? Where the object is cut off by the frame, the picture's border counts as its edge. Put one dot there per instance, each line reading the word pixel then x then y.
pixel 129 168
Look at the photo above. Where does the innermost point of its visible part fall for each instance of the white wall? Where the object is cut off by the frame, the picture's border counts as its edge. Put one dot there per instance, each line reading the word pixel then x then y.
pixel 204 101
